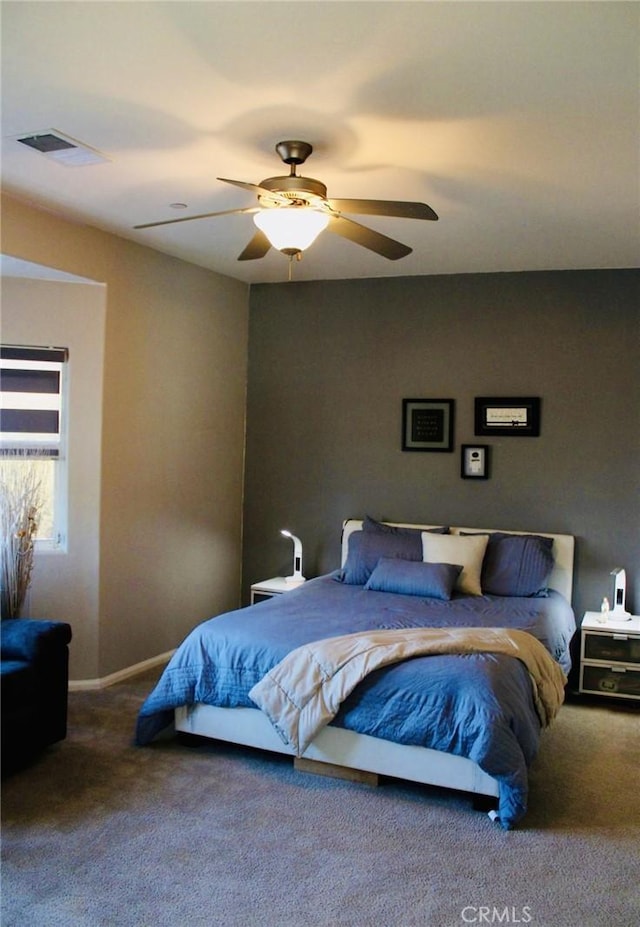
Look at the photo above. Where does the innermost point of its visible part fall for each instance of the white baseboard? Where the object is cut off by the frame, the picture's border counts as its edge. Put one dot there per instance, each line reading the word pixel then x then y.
pixel 84 685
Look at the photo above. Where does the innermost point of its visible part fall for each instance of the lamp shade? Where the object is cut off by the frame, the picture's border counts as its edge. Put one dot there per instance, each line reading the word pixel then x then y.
pixel 291 229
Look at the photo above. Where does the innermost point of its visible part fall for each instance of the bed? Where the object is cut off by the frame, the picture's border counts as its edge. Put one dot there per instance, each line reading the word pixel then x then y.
pixel 466 719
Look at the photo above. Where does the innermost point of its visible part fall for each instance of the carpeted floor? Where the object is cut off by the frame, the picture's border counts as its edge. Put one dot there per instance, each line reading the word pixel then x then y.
pixel 99 833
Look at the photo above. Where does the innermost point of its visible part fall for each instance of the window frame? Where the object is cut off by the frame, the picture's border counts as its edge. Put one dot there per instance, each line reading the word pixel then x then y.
pixel 27 444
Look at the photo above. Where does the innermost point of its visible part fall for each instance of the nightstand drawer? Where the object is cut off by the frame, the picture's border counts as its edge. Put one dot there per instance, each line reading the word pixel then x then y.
pixel 267 588
pixel 607 680
pixel 613 647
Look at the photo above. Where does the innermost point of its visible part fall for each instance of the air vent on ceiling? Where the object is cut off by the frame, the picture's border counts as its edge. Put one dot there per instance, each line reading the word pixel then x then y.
pixel 61 148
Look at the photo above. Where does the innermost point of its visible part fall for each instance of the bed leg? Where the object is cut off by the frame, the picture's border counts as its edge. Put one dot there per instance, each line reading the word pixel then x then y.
pixel 318 768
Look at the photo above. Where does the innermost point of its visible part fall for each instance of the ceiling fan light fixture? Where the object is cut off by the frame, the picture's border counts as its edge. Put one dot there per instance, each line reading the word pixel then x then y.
pixel 291 229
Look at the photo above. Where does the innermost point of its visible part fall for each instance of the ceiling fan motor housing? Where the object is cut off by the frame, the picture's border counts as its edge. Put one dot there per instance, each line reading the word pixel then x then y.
pixel 300 190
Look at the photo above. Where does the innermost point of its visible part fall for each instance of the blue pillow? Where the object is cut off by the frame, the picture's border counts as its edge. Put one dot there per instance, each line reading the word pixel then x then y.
pixel 517 564
pixel 365 549
pixel 431 580
pixel 371 525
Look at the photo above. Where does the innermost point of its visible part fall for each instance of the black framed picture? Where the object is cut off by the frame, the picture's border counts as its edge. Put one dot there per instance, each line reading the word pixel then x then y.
pixel 474 461
pixel 508 416
pixel 427 424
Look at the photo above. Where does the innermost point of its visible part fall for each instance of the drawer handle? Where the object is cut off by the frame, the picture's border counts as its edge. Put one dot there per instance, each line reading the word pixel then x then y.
pixel 617 669
pixel 620 637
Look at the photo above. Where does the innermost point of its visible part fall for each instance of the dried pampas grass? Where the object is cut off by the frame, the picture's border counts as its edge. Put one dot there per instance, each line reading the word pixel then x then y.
pixel 20 504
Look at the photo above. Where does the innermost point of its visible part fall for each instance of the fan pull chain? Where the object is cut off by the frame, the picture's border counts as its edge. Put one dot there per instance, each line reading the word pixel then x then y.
pixel 293 257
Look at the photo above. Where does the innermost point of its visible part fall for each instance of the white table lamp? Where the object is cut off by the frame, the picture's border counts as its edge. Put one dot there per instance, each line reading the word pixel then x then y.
pixel 618 595
pixel 296 576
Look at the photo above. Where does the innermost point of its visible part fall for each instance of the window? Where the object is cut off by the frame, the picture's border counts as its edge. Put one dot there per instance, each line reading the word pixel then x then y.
pixel 33 431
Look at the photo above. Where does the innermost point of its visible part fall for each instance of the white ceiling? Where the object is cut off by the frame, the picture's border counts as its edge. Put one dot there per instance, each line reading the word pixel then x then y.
pixel 517 122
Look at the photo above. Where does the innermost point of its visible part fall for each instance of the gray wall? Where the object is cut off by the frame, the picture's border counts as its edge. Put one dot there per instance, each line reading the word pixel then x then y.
pixel 329 365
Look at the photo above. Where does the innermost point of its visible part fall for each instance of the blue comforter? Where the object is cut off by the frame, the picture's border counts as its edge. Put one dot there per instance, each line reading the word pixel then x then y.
pixel 479 706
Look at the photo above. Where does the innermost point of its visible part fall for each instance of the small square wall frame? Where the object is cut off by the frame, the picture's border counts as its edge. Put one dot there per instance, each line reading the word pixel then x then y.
pixel 427 424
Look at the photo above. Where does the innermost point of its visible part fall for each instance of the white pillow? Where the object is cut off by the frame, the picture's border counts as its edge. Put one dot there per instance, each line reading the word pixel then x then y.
pixel 465 551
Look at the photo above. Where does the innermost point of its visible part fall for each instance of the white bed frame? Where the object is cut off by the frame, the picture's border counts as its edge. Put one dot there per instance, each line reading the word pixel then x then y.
pixel 345 752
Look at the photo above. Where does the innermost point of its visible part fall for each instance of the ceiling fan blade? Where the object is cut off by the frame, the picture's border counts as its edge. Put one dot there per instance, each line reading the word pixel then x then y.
pixel 204 215
pixel 257 247
pixel 397 208
pixel 374 241
pixel 274 195
pixel 253 187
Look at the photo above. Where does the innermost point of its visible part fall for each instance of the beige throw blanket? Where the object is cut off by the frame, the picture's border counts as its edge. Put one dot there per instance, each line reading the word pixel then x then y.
pixel 304 691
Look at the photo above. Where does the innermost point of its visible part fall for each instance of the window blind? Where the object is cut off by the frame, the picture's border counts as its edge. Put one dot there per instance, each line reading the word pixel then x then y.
pixel 31 396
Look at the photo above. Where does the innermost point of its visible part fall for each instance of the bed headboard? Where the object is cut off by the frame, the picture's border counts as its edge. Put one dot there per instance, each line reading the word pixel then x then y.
pixel 561 578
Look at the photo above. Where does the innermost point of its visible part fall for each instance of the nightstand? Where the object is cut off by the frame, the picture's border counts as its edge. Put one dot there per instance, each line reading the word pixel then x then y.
pixel 610 657
pixel 270 587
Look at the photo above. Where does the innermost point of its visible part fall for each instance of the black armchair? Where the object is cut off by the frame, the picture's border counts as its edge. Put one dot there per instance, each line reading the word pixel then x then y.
pixel 35 680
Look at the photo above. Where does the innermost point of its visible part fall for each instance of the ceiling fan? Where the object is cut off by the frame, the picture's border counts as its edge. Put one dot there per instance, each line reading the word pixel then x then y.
pixel 293 210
